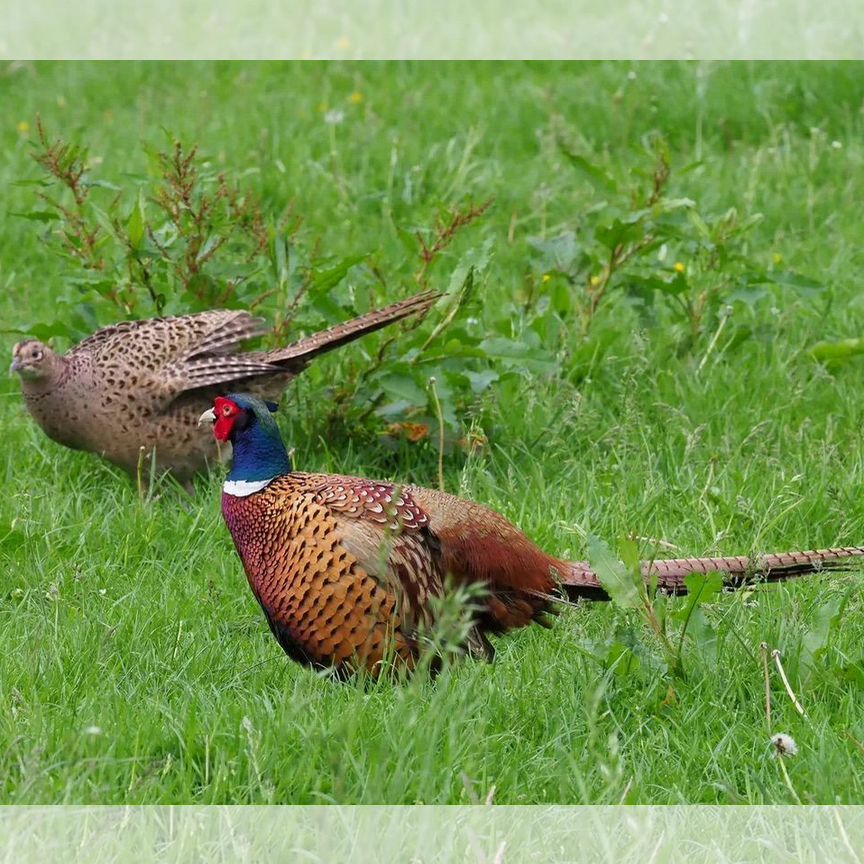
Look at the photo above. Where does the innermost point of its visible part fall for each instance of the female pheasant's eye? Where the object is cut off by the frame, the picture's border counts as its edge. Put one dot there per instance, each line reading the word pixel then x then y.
pixel 37 355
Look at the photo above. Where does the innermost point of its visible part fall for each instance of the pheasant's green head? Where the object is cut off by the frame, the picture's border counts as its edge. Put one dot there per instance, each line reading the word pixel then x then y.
pixel 247 423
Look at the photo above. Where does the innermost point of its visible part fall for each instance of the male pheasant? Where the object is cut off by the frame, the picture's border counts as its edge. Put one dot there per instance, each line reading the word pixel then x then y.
pixel 346 569
pixel 145 383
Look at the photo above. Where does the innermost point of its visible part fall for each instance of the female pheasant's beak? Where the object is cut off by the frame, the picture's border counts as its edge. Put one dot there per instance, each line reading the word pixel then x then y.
pixel 208 416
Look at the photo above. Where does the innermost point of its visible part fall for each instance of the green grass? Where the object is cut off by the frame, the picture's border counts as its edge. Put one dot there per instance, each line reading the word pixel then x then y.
pixel 136 666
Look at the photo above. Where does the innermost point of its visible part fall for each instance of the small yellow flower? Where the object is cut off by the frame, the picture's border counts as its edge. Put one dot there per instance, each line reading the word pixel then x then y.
pixel 23 127
pixel 546 277
pixel 595 281
pixel 356 97
pixel 323 107
pixel 679 267
pixel 777 258
pixel 344 43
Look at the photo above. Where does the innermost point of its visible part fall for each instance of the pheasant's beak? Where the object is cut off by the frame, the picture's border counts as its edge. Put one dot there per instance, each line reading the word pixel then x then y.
pixel 14 367
pixel 209 416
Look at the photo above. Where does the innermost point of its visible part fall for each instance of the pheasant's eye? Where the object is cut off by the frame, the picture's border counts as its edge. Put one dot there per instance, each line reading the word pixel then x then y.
pixel 226 410
pixel 37 355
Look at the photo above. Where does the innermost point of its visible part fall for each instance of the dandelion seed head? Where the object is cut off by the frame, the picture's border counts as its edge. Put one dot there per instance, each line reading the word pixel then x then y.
pixel 784 745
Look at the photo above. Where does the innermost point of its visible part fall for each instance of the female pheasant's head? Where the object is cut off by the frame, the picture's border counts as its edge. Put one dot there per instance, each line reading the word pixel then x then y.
pixel 246 422
pixel 35 362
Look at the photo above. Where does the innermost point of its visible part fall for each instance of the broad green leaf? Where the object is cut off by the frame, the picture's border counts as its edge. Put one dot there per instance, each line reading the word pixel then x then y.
pixel 817 638
pixel 209 245
pixel 749 295
pixel 45 331
pixel 515 352
pixel 701 588
pixel 620 230
pixel 402 386
pixel 480 381
pixel 325 280
pixel 135 224
pixel 623 660
pixel 622 585
pixel 280 259
pixel 554 253
pixel 38 215
pixel 669 205
pixel 102 184
pixel 838 351
pixel 803 285
pixel 594 174
pixel 699 224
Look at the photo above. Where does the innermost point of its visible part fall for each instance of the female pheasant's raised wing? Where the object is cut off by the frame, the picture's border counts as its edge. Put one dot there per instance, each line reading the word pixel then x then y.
pixel 138 387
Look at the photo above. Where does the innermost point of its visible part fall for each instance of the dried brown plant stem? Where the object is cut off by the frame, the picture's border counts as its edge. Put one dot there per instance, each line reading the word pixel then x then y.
pixel 445 232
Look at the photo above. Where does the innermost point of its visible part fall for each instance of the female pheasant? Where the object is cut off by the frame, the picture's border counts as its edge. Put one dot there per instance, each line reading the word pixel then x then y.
pixel 346 569
pixel 145 383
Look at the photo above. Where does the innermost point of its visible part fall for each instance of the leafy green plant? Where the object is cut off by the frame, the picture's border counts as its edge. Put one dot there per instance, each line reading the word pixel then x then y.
pixel 628 589
pixel 182 238
pixel 185 237
pixel 641 243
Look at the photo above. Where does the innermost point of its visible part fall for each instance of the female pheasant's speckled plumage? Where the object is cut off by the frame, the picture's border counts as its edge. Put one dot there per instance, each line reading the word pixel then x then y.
pixel 143 384
pixel 346 569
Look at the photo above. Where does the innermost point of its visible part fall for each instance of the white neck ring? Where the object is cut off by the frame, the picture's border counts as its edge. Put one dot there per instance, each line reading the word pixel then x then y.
pixel 243 488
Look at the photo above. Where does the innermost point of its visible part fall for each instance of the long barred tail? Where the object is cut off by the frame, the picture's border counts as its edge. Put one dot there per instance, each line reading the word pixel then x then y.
pixel 737 571
pixel 303 351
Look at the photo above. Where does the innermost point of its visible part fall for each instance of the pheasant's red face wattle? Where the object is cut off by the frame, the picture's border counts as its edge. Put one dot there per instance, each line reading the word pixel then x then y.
pixel 226 413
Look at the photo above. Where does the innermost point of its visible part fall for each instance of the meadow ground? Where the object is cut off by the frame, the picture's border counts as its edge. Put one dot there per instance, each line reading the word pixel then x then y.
pixel 136 665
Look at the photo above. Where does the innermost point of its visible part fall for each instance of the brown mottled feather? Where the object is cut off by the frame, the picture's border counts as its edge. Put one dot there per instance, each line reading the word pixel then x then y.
pixel 145 383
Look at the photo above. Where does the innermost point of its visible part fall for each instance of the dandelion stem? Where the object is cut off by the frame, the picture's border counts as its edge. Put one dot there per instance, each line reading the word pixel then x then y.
pixel 789 785
pixel 723 319
pixel 798 706
pixel 764 649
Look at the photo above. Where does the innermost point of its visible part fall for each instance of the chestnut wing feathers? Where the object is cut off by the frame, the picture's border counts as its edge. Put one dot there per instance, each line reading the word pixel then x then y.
pixel 389 535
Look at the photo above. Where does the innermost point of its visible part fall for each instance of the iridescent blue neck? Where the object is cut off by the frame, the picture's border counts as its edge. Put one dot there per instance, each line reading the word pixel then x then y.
pixel 259 454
